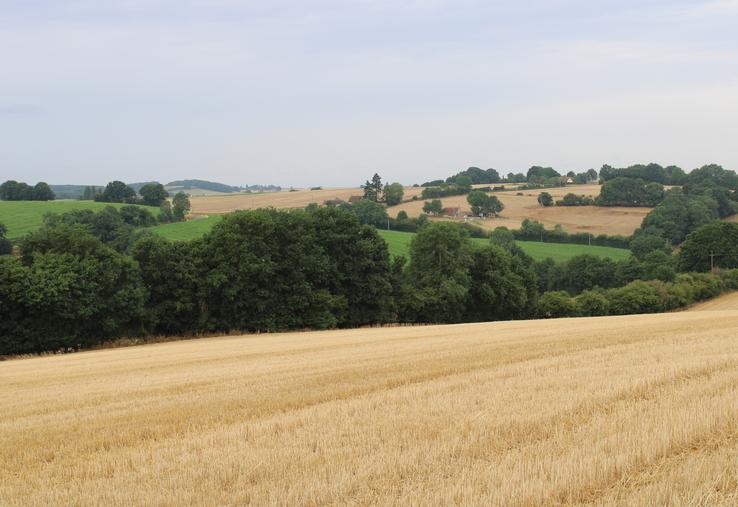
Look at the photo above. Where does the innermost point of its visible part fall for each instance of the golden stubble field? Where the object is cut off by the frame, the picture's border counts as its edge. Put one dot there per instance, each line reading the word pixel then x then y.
pixel 636 410
pixel 592 219
pixel 596 220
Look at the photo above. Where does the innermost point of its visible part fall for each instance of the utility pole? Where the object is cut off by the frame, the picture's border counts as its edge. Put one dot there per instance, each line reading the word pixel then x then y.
pixel 712 262
pixel 388 224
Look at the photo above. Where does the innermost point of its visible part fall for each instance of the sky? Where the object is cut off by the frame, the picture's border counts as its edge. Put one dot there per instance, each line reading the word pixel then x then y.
pixel 327 92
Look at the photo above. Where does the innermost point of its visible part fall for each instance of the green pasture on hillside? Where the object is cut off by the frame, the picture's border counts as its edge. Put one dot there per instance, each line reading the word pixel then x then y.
pixel 399 244
pixel 22 217
pixel 185 231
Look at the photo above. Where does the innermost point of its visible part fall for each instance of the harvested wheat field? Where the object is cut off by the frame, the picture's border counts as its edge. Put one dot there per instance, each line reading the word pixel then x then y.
pixel 724 302
pixel 637 410
pixel 592 219
pixel 280 200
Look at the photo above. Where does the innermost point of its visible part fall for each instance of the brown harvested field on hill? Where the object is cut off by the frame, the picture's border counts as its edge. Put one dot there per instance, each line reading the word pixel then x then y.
pixel 724 302
pixel 636 410
pixel 593 219
pixel 280 200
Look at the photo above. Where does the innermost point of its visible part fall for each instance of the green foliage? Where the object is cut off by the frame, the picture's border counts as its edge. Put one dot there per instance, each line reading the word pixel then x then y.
pixel 516 178
pixel 153 194
pixel 117 191
pixel 592 304
pixel 475 176
pixel 393 194
pixel 69 291
pixel 679 214
pixel 433 207
pixel 268 270
pixel 531 230
pixel 572 199
pixel 639 296
pixel 116 227
pixel 180 207
pixel 538 174
pixel 370 212
pixel 373 189
pixel 545 199
pixel 22 217
pixel 399 243
pixel 6 247
pixel 556 304
pixel 584 272
pixel 643 243
pixel 440 258
pixel 169 272
pixel 12 190
pixel 630 192
pixel 461 187
pixel 483 204
pixel 165 215
pixel 717 239
pixel 670 175
pixel 502 286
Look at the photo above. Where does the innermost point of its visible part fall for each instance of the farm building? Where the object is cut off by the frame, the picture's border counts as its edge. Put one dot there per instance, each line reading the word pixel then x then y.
pixel 451 211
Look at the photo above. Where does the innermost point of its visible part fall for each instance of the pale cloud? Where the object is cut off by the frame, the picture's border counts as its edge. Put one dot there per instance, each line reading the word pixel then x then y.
pixel 324 91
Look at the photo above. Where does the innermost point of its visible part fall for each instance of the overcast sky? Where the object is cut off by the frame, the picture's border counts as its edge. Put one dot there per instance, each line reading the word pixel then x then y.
pixel 326 92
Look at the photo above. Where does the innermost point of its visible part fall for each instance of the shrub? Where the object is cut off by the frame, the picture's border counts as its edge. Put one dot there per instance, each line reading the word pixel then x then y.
pixel 556 304
pixel 592 304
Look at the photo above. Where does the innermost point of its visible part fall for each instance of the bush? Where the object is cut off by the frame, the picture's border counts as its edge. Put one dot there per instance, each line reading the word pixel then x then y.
pixel 592 304
pixel 531 230
pixel 571 199
pixel 716 242
pixel 630 192
pixel 12 190
pixel 556 304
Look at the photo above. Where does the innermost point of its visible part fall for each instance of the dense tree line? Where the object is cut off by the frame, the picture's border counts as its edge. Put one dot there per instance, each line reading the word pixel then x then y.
pixel 651 296
pixel 532 230
pixel 572 199
pixel 6 247
pixel 670 175
pixel 86 277
pixel 476 175
pixel 390 194
pixel 12 190
pixel 622 191
pixel 483 204
pixel 462 185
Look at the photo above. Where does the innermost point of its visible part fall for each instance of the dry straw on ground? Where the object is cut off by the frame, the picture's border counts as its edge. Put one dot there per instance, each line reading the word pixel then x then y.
pixel 592 219
pixel 637 410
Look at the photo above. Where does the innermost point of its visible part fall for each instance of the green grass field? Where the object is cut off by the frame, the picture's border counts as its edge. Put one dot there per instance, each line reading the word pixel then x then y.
pixel 22 217
pixel 399 243
pixel 185 231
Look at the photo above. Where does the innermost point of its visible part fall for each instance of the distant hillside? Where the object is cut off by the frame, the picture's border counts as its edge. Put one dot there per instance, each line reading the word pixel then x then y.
pixel 201 184
pixel 137 186
pixel 69 191
pixel 76 191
